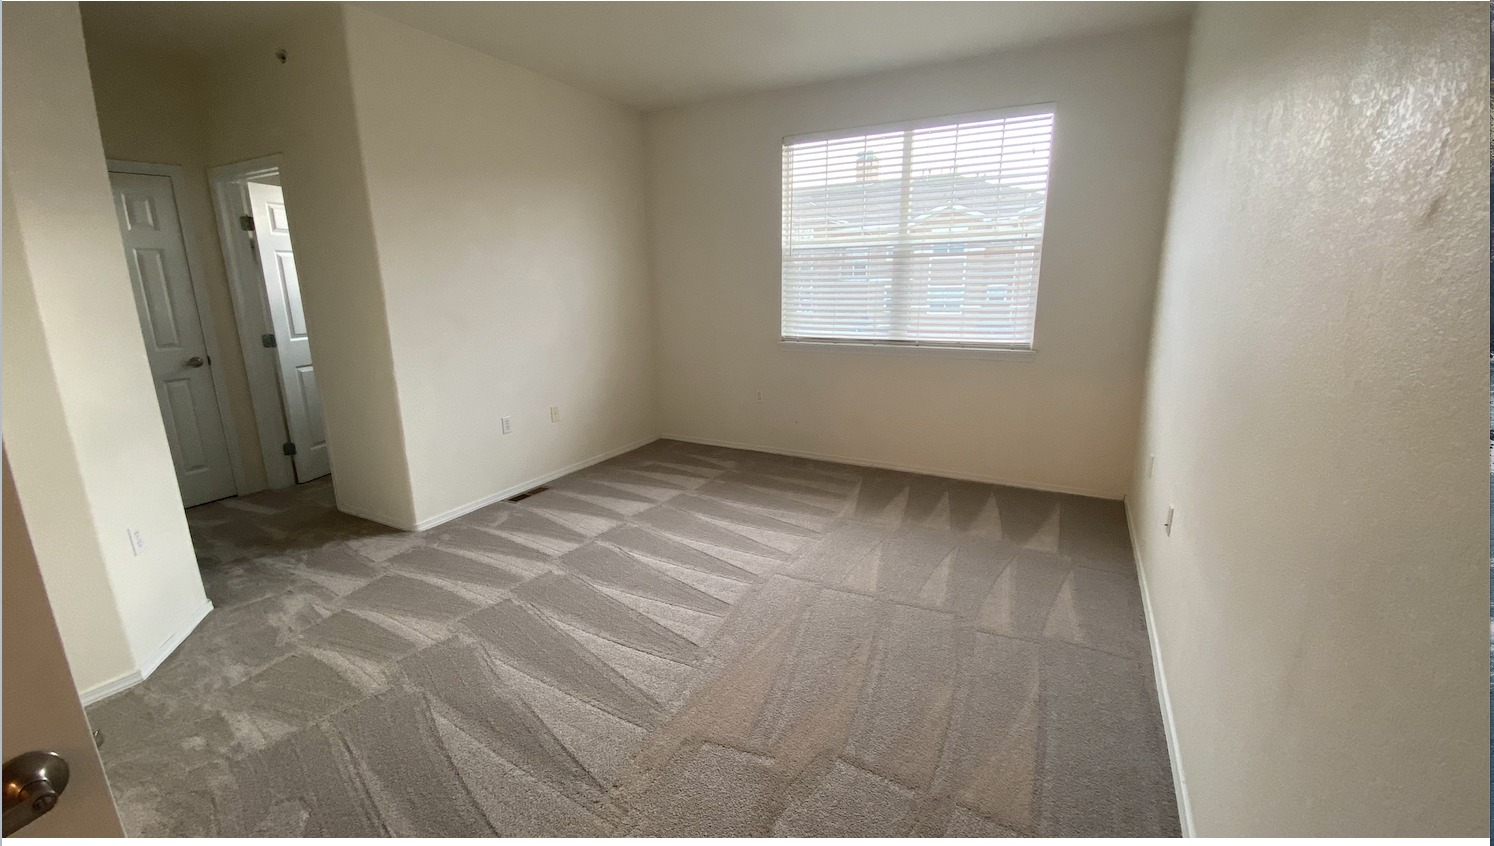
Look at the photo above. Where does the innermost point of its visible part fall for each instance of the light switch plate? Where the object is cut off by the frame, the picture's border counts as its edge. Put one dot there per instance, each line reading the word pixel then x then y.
pixel 137 542
pixel 554 414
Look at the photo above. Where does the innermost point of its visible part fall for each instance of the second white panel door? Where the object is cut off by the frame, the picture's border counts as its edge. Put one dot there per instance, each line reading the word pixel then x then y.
pixel 303 405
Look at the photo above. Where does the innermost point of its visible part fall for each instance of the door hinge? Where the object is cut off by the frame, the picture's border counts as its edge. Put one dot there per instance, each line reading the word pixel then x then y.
pixel 267 341
pixel 246 223
pixel 289 449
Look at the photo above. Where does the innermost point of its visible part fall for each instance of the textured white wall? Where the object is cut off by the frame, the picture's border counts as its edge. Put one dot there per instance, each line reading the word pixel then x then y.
pixel 1065 420
pixel 508 213
pixel 1315 404
pixel 81 424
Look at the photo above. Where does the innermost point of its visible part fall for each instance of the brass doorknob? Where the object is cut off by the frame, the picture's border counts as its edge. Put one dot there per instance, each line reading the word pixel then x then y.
pixel 194 361
pixel 33 781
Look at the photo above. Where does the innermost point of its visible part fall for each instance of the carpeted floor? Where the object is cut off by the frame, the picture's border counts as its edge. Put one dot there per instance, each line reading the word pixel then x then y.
pixel 682 641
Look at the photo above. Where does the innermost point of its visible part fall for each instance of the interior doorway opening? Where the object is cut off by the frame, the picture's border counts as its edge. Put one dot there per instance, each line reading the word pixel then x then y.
pixel 259 257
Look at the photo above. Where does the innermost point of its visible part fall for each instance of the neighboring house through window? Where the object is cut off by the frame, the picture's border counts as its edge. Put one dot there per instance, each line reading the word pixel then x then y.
pixel 926 233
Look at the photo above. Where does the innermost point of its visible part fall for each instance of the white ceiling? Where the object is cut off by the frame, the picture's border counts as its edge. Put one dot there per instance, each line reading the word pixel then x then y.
pixel 654 55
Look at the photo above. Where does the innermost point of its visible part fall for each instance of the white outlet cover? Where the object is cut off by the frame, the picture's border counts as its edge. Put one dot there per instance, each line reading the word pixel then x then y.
pixel 554 414
pixel 137 542
pixel 508 424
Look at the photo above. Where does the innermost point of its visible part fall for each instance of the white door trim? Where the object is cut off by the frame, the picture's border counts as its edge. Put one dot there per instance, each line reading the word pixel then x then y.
pixel 246 285
pixel 204 308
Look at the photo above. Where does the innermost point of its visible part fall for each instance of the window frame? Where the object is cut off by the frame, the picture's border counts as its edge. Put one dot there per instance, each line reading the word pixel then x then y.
pixel 905 347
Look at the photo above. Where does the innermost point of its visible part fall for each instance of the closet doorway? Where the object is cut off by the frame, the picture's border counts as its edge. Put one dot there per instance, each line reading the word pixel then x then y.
pixel 255 229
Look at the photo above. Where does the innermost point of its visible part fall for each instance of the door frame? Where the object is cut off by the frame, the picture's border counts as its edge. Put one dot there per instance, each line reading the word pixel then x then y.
pixel 246 285
pixel 178 177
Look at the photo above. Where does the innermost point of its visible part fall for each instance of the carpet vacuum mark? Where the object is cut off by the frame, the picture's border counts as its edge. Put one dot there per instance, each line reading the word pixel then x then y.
pixel 683 640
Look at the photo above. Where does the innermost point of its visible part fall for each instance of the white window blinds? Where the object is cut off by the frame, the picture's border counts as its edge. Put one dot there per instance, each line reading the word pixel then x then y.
pixel 926 233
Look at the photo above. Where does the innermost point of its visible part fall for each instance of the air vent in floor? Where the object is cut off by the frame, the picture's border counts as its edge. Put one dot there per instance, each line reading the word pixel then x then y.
pixel 527 494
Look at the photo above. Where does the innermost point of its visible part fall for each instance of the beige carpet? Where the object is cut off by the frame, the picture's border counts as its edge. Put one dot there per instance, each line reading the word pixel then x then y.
pixel 683 640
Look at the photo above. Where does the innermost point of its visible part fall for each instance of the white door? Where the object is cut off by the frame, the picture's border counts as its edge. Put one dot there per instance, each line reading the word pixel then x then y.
pixel 41 707
pixel 169 319
pixel 303 405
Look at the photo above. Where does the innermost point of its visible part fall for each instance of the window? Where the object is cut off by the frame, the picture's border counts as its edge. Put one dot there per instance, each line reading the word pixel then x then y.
pixel 927 233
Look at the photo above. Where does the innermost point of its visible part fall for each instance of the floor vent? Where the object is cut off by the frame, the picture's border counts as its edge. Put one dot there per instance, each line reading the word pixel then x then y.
pixel 527 494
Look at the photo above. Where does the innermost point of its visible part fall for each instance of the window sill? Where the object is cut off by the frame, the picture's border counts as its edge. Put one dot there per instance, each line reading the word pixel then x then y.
pixel 905 349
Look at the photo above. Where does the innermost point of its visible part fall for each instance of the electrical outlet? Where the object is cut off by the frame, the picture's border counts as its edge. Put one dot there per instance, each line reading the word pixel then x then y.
pixel 1167 527
pixel 554 414
pixel 137 542
pixel 508 424
pixel 759 396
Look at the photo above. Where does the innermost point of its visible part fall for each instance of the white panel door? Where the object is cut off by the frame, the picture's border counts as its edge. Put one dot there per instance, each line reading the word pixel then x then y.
pixel 303 405
pixel 169 319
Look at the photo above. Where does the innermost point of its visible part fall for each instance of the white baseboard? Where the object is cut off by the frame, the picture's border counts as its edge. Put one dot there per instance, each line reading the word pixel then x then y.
pixel 452 514
pixel 152 661
pixel 164 650
pixel 109 688
pixel 376 518
pixel 902 468
pixel 1174 754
